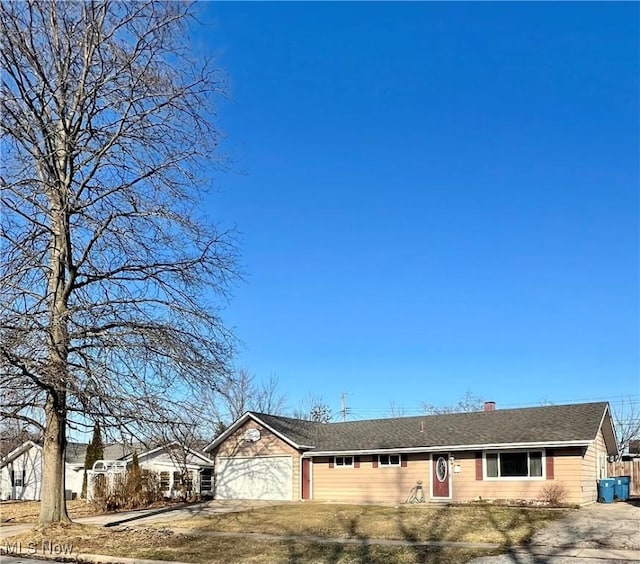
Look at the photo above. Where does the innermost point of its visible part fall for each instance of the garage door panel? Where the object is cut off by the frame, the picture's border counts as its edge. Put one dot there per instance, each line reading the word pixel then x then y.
pixel 268 478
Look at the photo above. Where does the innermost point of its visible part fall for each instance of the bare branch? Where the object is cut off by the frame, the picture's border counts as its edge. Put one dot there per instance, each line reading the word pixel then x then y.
pixel 469 402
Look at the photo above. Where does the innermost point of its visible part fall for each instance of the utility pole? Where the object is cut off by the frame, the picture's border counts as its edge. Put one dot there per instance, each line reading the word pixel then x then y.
pixel 344 409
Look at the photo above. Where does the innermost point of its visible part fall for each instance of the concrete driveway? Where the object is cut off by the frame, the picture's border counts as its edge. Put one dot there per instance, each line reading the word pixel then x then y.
pixel 602 533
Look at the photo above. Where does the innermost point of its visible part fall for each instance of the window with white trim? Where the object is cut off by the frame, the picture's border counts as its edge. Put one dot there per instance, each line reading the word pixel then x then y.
pixel 343 461
pixel 18 478
pixel 389 460
pixel 164 481
pixel 519 464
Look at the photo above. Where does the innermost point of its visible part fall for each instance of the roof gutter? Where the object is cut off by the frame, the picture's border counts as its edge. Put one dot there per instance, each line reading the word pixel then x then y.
pixel 451 448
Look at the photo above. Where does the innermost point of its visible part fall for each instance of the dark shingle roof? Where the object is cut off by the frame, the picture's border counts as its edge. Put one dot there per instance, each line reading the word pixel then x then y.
pixel 76 452
pixel 303 433
pixel 576 422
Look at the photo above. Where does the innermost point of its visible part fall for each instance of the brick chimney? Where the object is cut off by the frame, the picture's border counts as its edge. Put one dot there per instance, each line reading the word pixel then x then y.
pixel 489 405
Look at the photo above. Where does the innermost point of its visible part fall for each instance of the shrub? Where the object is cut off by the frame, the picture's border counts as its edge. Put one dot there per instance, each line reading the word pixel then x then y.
pixel 131 490
pixel 554 494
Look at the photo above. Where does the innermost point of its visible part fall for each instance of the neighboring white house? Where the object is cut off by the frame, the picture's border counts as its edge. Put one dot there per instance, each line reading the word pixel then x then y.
pixel 172 463
pixel 21 470
pixel 74 467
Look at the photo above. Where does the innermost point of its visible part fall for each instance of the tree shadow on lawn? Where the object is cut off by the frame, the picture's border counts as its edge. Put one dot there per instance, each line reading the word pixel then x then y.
pixel 427 531
pixel 523 552
pixel 438 526
pixel 420 548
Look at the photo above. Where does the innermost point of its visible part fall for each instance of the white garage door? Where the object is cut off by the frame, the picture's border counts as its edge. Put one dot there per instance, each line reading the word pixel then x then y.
pixel 268 477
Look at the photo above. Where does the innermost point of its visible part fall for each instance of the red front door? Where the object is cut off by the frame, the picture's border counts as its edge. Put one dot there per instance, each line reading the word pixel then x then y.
pixel 306 478
pixel 440 475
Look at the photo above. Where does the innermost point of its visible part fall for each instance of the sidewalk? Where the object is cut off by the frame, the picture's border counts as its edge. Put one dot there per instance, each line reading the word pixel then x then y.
pixel 552 555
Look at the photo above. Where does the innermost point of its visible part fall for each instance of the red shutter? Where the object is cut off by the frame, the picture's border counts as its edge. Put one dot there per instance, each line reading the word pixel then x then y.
pixel 478 466
pixel 331 463
pixel 403 460
pixel 549 459
pixel 374 461
pixel 356 462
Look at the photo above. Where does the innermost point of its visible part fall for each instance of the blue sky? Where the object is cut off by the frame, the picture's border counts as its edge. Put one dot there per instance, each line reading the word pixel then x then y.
pixel 433 198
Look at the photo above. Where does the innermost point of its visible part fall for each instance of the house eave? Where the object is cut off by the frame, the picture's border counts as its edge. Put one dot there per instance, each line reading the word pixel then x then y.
pixel 453 448
pixel 18 451
pixel 613 452
pixel 153 451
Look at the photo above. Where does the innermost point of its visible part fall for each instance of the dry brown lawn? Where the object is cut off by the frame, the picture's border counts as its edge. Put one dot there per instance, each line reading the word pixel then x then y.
pixel 474 524
pixel 164 544
pixel 27 511
pixel 188 540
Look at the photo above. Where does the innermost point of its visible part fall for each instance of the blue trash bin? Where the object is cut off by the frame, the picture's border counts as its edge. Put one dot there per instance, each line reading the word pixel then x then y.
pixel 605 490
pixel 621 488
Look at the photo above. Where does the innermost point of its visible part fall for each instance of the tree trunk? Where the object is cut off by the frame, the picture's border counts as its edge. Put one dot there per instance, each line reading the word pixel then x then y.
pixel 53 508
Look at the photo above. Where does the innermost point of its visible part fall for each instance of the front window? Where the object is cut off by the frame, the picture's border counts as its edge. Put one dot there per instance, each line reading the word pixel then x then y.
pixel 206 480
pixel 18 478
pixel 389 460
pixel 188 483
pixel 441 469
pixel 164 481
pixel 343 461
pixel 514 464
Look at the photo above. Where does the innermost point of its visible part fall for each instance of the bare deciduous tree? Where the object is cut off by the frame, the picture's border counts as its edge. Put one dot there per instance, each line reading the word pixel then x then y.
pixel 313 408
pixel 396 410
pixel 626 418
pixel 111 280
pixel 244 393
pixel 180 439
pixel 14 433
pixel 469 402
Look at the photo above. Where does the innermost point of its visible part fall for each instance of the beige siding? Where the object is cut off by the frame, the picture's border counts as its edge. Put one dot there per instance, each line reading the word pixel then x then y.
pixel 269 444
pixel 367 484
pixel 590 469
pixel 567 471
